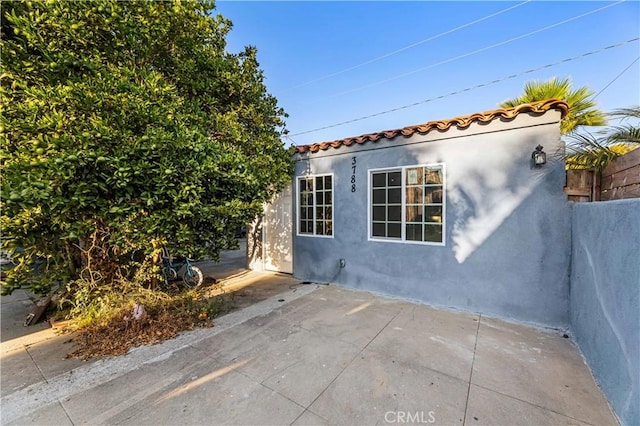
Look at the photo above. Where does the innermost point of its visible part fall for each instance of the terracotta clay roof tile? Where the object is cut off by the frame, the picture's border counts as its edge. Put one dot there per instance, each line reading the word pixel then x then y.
pixel 461 122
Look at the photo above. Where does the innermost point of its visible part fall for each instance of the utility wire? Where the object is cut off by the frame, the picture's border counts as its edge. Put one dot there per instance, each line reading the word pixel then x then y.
pixel 617 77
pixel 472 87
pixel 402 49
pixel 446 61
pixel 290 139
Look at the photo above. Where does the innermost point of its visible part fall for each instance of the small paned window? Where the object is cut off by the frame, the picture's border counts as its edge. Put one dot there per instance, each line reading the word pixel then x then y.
pixel 407 204
pixel 315 205
pixel 387 204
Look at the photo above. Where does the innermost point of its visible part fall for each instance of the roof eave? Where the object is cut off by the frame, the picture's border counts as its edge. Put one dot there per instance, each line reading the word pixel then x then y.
pixel 461 122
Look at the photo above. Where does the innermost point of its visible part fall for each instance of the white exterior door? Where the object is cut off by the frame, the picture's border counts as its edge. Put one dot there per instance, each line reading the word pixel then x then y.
pixel 277 233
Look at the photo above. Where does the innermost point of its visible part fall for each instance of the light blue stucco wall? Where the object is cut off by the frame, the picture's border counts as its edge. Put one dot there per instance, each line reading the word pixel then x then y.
pixel 508 236
pixel 605 299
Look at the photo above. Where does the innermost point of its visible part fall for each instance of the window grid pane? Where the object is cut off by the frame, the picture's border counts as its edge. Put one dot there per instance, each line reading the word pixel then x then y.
pixel 315 205
pixel 386 209
pixel 323 207
pixel 306 206
pixel 421 210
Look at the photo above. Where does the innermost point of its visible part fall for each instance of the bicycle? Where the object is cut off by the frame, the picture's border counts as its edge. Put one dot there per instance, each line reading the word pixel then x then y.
pixel 191 275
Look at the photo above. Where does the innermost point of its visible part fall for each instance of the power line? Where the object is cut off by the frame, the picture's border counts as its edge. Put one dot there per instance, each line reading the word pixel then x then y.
pixel 471 88
pixel 446 61
pixel 290 139
pixel 617 77
pixel 402 49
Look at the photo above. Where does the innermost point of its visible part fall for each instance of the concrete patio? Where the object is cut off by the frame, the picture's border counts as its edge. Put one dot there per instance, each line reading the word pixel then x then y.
pixel 315 355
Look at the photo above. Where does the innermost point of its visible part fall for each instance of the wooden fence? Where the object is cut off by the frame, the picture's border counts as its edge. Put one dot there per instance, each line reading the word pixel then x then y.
pixel 620 179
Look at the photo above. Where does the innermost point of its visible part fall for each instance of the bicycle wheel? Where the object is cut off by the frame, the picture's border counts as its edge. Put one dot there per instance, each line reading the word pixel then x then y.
pixel 168 275
pixel 192 276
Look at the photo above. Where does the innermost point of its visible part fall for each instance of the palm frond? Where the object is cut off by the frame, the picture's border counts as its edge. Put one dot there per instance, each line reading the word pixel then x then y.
pixel 587 152
pixel 626 113
pixel 623 134
pixel 592 117
pixel 582 107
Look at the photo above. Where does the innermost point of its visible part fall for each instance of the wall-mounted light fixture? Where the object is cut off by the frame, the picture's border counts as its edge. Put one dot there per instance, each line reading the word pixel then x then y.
pixel 538 156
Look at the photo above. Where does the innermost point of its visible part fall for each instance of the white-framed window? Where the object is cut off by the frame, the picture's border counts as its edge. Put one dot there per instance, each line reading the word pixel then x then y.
pixel 408 204
pixel 315 205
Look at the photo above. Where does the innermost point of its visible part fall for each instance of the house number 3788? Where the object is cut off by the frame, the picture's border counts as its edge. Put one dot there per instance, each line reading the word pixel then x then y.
pixel 353 174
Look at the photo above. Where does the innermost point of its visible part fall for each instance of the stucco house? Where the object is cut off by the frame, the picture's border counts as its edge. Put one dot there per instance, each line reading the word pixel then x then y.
pixel 453 213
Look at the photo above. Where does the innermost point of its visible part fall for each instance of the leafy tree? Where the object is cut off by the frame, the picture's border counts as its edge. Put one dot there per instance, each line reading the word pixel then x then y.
pixel 582 111
pixel 588 151
pixel 126 126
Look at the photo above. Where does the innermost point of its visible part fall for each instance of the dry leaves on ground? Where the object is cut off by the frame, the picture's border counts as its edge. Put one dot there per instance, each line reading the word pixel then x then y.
pixel 122 332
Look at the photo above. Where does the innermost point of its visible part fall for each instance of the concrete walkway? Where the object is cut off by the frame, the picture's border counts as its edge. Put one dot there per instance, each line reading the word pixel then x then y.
pixel 316 355
pixel 231 263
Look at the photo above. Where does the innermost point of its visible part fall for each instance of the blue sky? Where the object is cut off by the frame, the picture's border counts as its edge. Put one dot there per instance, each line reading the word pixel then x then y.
pixel 331 62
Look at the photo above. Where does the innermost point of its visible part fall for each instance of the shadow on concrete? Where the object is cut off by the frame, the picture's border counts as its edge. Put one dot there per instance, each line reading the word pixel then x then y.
pixel 231 263
pixel 36 353
pixel 13 313
pixel 242 286
pixel 251 287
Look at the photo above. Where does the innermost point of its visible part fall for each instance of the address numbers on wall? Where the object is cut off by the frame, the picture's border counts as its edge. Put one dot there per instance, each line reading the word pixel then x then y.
pixel 353 174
